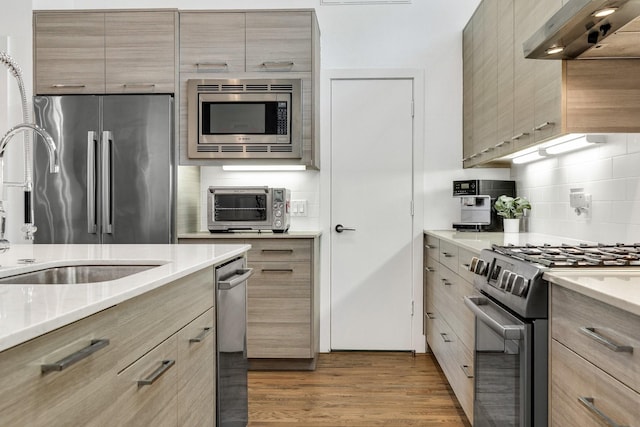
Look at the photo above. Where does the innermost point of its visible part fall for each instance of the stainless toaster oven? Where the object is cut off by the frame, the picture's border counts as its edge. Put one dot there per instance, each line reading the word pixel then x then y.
pixel 248 208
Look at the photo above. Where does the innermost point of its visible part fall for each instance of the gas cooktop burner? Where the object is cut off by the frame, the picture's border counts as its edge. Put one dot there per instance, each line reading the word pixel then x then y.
pixel 583 255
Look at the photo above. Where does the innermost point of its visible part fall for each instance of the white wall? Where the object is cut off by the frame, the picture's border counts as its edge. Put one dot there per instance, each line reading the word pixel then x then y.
pixel 610 172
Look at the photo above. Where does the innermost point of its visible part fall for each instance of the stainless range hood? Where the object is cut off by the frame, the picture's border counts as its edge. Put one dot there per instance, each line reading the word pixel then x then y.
pixel 578 33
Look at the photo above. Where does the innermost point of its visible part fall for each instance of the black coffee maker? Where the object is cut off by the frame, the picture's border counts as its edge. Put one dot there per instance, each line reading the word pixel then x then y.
pixel 477 197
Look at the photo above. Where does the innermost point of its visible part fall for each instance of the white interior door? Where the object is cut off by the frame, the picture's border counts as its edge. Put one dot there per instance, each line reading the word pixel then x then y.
pixel 371 192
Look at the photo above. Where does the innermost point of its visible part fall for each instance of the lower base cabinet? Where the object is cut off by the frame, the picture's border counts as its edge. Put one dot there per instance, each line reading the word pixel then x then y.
pixel 149 361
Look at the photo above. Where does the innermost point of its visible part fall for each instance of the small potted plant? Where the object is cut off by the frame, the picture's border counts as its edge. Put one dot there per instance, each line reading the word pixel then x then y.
pixel 511 210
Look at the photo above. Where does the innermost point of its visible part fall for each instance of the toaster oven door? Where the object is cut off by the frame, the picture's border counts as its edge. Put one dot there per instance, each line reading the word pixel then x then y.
pixel 239 210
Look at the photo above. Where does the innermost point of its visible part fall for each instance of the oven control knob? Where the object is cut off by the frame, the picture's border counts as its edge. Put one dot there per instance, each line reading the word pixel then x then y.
pixel 520 286
pixel 277 213
pixel 278 223
pixel 504 279
pixel 478 266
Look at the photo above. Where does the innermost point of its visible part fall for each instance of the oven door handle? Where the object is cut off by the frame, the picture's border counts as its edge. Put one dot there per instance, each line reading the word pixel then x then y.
pixel 509 332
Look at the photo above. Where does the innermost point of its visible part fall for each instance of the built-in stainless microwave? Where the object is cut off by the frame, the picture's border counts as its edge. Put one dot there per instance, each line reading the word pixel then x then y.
pixel 244 118
pixel 248 208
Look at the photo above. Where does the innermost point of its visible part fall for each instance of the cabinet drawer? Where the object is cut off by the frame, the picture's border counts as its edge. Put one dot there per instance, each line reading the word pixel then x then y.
pixel 455 359
pixel 584 324
pixel 452 305
pixel 72 396
pixel 152 404
pixel 449 256
pixel 279 250
pixel 280 280
pixel 432 246
pixel 464 256
pixel 573 378
pixel 196 372
pixel 164 312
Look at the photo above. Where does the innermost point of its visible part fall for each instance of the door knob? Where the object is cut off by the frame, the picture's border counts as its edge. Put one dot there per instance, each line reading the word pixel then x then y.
pixel 340 228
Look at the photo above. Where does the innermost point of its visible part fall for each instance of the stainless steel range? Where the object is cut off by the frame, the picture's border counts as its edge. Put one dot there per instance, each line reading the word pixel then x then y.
pixel 512 327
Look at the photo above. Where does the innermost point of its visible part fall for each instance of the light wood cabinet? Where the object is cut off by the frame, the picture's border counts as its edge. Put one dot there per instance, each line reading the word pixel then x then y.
pixel 79 394
pixel 147 372
pixel 104 52
pixel 511 102
pixel 283 311
pixel 594 361
pixel 449 325
pixel 279 41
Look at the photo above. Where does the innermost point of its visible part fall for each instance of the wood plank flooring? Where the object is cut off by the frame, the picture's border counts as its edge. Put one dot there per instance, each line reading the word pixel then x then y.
pixel 356 389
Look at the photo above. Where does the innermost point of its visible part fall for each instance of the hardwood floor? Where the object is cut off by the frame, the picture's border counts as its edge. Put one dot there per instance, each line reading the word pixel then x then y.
pixel 356 389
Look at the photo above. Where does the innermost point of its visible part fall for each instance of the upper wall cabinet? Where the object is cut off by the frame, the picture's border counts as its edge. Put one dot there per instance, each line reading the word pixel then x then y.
pixel 229 42
pixel 104 52
pixel 511 102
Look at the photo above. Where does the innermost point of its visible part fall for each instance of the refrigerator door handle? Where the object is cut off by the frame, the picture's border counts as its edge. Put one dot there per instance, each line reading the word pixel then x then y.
pixel 107 139
pixel 92 223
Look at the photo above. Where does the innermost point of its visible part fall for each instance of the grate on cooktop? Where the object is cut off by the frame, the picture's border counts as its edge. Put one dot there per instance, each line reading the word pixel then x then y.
pixel 618 255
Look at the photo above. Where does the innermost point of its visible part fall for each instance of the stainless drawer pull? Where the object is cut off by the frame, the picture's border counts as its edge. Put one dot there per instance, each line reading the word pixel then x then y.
pixel 430 269
pixel 211 65
pixel 201 335
pixel 591 333
pixel 467 372
pixel 278 65
pixel 543 125
pixel 136 85
pixel 278 250
pixel 277 270
pixel 447 254
pixel 518 136
pixel 68 86
pixel 444 337
pixel 466 266
pixel 75 357
pixel 430 247
pixel 429 315
pixel 446 282
pixel 588 402
pixel 164 367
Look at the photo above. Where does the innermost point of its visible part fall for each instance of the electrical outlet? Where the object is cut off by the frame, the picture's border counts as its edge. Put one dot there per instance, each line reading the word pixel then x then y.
pixel 298 208
pixel 580 202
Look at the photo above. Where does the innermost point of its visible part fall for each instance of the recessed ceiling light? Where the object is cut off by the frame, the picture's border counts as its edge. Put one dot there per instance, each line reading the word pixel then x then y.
pixel 601 13
pixel 554 49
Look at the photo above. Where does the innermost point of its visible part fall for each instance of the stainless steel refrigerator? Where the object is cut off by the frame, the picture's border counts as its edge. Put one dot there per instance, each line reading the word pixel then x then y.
pixel 116 180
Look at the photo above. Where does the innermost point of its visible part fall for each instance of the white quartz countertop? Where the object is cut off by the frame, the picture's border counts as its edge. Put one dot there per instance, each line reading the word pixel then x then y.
pixel 617 287
pixel 27 311
pixel 476 241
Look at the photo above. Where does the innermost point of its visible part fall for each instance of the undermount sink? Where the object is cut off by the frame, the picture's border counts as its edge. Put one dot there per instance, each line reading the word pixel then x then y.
pixel 76 274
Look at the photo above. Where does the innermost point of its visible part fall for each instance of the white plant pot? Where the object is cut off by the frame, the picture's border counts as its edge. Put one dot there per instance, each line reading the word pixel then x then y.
pixel 511 225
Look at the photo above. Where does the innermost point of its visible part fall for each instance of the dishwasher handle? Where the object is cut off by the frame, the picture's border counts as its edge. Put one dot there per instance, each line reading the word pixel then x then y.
pixel 509 332
pixel 240 276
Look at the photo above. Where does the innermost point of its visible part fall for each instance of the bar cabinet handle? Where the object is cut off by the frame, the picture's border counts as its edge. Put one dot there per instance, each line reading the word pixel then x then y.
pixel 430 247
pixel 64 363
pixel 467 372
pixel 201 335
pixel 429 315
pixel 278 65
pixel 444 337
pixel 430 269
pixel 69 86
pixel 591 333
pixel 446 282
pixel 518 136
pixel 277 270
pixel 466 266
pixel 210 65
pixel 447 254
pixel 589 403
pixel 164 367
pixel 137 85
pixel 278 250
pixel 543 125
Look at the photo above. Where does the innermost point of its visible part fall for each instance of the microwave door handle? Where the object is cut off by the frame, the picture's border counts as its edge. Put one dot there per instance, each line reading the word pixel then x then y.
pixel 107 139
pixel 509 332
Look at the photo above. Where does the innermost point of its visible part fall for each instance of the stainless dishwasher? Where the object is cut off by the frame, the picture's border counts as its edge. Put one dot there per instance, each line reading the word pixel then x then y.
pixel 231 309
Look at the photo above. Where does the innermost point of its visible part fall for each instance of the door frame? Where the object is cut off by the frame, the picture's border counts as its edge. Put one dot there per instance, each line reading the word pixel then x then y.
pixel 327 77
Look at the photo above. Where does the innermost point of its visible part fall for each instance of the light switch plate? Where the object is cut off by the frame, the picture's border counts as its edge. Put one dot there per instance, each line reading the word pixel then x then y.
pixel 298 208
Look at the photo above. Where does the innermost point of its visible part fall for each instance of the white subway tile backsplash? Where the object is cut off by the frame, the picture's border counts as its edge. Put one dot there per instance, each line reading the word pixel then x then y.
pixel 609 172
pixel 626 166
